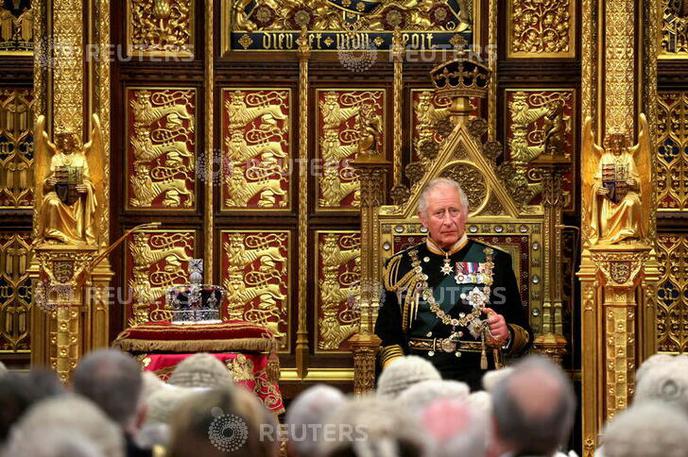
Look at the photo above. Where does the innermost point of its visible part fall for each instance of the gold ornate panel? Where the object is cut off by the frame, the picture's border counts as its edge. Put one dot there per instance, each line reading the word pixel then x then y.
pixel 155 261
pixel 16 27
pixel 160 28
pixel 15 291
pixel 335 25
pixel 16 148
pixel 256 275
pixel 161 148
pixel 338 289
pixel 538 121
pixel 339 122
pixel 541 28
pixel 674 40
pixel 256 149
pixel 428 109
pixel 672 293
pixel 672 154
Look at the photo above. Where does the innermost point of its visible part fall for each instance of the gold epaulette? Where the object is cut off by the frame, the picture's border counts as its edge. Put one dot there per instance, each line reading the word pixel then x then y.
pixel 496 248
pixel 388 354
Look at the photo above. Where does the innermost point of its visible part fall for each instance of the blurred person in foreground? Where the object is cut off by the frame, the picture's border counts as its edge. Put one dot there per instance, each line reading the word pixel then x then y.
pixel 57 417
pixel 650 429
pixel 533 410
pixel 112 380
pixel 221 422
pixel 457 429
pixel 306 418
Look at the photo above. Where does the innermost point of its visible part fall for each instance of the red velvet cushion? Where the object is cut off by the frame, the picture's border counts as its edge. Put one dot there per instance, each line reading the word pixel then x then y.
pixel 223 337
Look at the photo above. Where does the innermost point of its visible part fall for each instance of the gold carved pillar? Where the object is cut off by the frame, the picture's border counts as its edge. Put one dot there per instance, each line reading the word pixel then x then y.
pixel 372 170
pixel 618 271
pixel 70 273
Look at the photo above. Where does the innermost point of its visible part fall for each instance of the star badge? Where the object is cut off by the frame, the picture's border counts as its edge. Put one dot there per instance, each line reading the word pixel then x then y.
pixel 446 268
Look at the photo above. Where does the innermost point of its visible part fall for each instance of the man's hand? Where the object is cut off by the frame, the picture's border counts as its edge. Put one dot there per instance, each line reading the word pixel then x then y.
pixel 52 181
pixel 602 191
pixel 499 331
pixel 81 188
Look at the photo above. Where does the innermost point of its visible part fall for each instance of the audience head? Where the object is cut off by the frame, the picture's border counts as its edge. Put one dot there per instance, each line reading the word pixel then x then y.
pixel 650 429
pixel 373 427
pixel 456 428
pixel 306 417
pixel 112 380
pixel 57 442
pixel 214 422
pixel 665 380
pixel 201 370
pixel 73 415
pixel 482 401
pixel 651 362
pixel 533 408
pixel 403 373
pixel 420 395
pixel 19 391
pixel 162 403
pixel 493 377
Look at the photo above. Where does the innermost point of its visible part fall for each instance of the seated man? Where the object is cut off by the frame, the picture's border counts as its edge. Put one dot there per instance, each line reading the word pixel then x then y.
pixel 438 293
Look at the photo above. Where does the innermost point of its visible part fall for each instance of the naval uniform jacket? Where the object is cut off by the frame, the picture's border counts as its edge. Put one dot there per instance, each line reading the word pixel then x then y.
pixel 407 325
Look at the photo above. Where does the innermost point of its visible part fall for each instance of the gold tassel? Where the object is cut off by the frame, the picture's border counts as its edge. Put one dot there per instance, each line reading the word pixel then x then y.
pixel 483 352
pixel 273 368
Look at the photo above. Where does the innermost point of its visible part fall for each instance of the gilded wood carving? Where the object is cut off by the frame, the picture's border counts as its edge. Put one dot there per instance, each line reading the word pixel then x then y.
pixel 255 274
pixel 340 114
pixel 538 28
pixel 256 151
pixel 672 152
pixel 160 27
pixel 15 292
pixel 161 148
pixel 16 27
pixel 339 275
pixel 672 292
pixel 16 148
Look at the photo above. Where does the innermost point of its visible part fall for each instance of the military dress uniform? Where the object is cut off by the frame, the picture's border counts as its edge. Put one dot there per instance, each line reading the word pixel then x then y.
pixel 432 308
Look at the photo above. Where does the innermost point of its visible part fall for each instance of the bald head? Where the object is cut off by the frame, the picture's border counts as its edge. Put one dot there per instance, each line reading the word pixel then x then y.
pixel 533 407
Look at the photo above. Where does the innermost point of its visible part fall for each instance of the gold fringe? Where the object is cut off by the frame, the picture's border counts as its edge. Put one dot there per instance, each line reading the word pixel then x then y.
pixel 273 368
pixel 239 344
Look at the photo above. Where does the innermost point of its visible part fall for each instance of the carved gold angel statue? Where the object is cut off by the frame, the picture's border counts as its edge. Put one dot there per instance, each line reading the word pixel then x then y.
pixel 68 184
pixel 617 183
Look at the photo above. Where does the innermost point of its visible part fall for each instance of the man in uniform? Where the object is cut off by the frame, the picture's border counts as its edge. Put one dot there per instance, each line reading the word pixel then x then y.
pixel 449 299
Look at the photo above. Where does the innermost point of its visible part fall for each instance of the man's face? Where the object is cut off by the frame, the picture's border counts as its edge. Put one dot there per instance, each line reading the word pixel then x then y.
pixel 444 217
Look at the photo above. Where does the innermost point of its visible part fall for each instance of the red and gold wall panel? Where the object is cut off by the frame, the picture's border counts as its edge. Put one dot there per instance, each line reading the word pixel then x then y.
pixel 256 149
pixel 161 148
pixel 541 121
pixel 257 277
pixel 16 148
pixel 672 293
pixel 155 261
pixel 672 154
pixel 338 133
pixel 15 291
pixel 338 289
pixel 427 109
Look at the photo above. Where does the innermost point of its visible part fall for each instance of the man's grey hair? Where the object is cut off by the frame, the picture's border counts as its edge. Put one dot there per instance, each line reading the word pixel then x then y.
pixel 456 428
pixel 441 182
pixel 73 414
pixel 112 380
pixel 55 442
pixel 647 430
pixel 374 427
pixel 534 407
pixel 419 396
pixel 306 416
pixel 666 381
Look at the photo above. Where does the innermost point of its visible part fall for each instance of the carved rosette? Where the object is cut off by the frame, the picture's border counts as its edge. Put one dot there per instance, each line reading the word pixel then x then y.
pixel 339 276
pixel 540 122
pixel 256 149
pixel 672 159
pixel 338 137
pixel 672 292
pixel 16 148
pixel 161 148
pixel 428 109
pixel 156 260
pixel 256 275
pixel 160 28
pixel 541 28
pixel 15 293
